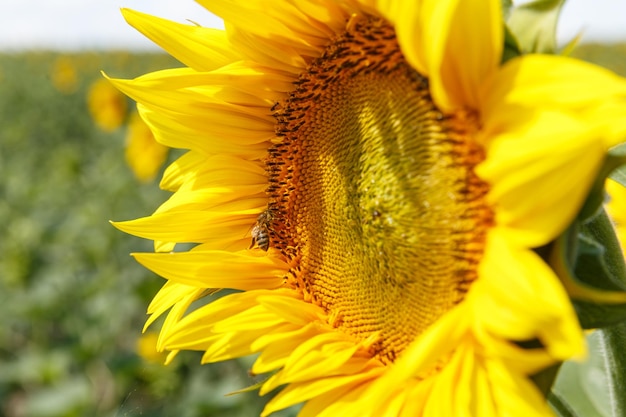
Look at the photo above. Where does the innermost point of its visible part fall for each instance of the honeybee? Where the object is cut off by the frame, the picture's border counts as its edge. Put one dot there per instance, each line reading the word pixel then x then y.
pixel 261 230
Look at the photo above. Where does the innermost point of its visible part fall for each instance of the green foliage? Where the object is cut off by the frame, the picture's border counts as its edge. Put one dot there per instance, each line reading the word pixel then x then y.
pixel 72 299
pixel 588 257
pixel 534 25
pixel 511 48
pixel 612 57
pixel 590 262
pixel 594 386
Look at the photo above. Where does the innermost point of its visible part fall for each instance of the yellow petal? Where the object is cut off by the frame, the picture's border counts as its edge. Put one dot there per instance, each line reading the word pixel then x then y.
pixel 432 345
pixel 143 154
pixel 540 167
pixel 408 22
pixel 509 278
pixel 171 293
pixel 174 316
pixel 175 134
pixel 551 82
pixel 512 395
pixel 461 52
pixel 181 171
pixel 275 348
pixel 195 46
pixel 245 270
pixel 189 226
pixel 281 24
pixel 334 396
pixel 317 357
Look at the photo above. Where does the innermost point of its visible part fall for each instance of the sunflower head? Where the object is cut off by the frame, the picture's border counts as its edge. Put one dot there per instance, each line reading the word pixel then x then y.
pixel 377 185
pixel 106 105
pixel 143 154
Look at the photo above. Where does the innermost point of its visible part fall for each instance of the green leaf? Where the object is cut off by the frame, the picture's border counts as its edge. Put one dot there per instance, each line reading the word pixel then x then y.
pixel 613 339
pixel 614 167
pixel 619 175
pixel 560 406
pixel 511 47
pixel 618 154
pixel 534 25
pixel 507 5
pixel 588 257
pixel 569 48
pixel 596 386
pixel 590 264
pixel 544 379
pixel 600 250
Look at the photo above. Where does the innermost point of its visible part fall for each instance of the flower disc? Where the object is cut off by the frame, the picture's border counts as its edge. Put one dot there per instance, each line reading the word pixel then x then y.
pixel 373 192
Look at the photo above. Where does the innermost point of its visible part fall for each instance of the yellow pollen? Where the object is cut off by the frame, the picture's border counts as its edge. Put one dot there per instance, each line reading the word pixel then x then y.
pixel 373 196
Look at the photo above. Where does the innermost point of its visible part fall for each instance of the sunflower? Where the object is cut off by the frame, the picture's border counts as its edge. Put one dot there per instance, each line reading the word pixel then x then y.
pixel 143 154
pixel 64 74
pixel 373 181
pixel 106 105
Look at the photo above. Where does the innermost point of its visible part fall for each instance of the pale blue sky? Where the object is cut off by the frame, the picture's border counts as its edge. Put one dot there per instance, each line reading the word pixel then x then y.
pixel 81 24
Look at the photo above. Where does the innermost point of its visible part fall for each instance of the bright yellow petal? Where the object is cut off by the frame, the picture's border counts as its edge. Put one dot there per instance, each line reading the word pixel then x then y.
pixel 549 82
pixel 510 277
pixel 432 345
pixel 341 395
pixel 143 154
pixel 539 168
pixel 461 52
pixel 514 396
pixel 195 46
pixel 244 270
pixel 173 133
pixel 280 36
pixel 284 23
pixel 407 19
pixel 190 226
pixel 321 356
pixel 181 171
pixel 177 311
pixel 273 347
pixel 171 293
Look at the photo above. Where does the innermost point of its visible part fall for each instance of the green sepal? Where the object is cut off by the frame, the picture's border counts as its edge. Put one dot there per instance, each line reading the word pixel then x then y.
pixel 560 406
pixel 569 47
pixel 507 5
pixel 614 339
pixel 511 47
pixel 618 157
pixel 593 273
pixel 534 25
pixel 544 379
pixel 588 257
pixel 600 249
pixel 613 167
pixel 250 388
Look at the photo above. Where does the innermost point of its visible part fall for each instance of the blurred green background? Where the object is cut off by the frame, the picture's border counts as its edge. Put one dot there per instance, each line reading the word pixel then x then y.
pixel 72 300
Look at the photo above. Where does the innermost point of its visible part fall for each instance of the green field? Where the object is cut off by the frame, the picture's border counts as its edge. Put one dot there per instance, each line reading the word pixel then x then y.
pixel 72 300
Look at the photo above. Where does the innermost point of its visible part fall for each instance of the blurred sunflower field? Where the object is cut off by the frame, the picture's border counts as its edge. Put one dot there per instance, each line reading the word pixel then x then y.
pixel 73 156
pixel 72 300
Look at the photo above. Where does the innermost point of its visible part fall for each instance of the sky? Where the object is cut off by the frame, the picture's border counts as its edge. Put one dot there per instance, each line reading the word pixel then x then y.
pixel 85 24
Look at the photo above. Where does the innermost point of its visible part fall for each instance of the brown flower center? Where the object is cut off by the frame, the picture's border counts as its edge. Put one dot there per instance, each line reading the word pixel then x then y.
pixel 373 196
